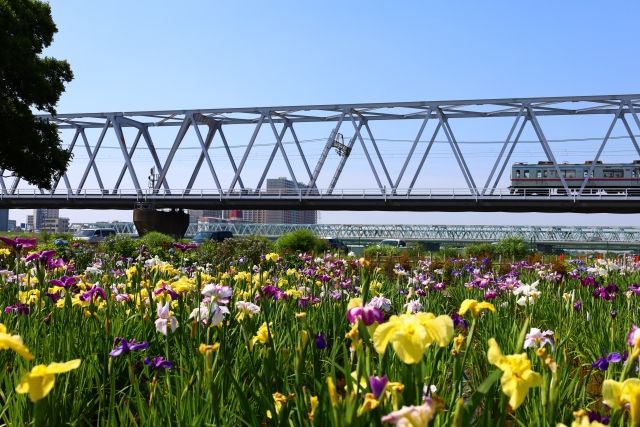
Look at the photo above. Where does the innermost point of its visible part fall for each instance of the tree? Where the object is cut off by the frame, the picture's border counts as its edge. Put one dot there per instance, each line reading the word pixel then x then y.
pixel 29 147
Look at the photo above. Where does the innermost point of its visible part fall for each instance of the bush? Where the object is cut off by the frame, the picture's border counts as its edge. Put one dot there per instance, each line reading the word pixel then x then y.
pixel 512 248
pixel 120 246
pixel 480 250
pixel 301 240
pixel 249 249
pixel 156 243
pixel 374 251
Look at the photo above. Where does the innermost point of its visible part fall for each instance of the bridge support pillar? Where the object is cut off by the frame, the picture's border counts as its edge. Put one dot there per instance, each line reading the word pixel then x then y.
pixel 173 223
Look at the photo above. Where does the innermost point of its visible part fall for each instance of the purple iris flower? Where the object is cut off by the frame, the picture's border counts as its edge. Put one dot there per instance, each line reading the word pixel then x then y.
pixel 64 281
pixel 122 346
pixel 53 296
pixel 158 363
pixel 634 288
pixel 19 308
pixel 43 256
pixel 577 306
pixel 489 295
pixel 274 292
pixel 594 416
pixel 56 263
pixel 602 363
pixel 19 242
pixel 368 314
pixel 183 247
pixel 321 341
pixel 459 321
pixel 166 288
pixel 377 385
pixel 91 294
pixel 588 281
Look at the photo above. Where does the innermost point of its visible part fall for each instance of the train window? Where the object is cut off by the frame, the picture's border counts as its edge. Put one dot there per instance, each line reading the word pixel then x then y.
pixel 517 174
pixel 635 173
pixel 613 173
pixel 526 173
pixel 539 174
pixel 585 173
pixel 569 173
pixel 546 173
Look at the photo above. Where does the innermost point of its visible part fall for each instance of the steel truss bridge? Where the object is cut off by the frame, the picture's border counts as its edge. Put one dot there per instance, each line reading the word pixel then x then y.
pixel 234 181
pixel 595 236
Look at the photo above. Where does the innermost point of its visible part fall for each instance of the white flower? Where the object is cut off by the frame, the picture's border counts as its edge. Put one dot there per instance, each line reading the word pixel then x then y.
pixel 529 294
pixel 413 306
pixel 381 303
pixel 538 339
pixel 219 311
pixel 165 320
pixel 219 294
pixel 200 314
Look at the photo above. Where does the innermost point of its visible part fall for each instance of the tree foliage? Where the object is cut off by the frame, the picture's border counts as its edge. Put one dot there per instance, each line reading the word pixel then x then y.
pixel 301 240
pixel 29 147
pixel 512 247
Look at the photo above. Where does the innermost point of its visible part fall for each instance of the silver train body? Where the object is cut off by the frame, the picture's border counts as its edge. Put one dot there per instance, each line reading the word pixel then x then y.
pixel 542 178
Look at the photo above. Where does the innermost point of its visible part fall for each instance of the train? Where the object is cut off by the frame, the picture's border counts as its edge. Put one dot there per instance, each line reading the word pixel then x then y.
pixel 606 178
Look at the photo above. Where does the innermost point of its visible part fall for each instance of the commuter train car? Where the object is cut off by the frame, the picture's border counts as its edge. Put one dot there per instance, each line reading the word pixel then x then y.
pixel 542 178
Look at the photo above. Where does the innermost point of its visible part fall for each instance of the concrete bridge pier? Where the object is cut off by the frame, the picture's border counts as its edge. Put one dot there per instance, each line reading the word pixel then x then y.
pixel 173 223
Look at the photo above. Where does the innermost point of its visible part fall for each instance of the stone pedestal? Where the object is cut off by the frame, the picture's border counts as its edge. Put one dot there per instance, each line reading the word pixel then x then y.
pixel 173 223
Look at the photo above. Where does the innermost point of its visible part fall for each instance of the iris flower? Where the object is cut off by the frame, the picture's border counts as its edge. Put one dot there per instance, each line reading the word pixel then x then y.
pixel 377 385
pixel 475 307
pixel 39 382
pixel 122 346
pixel 262 336
pixel 412 415
pixel 44 256
pixel 158 363
pixel 411 334
pixel 19 242
pixel 517 376
pixel 165 320
pixel 618 395
pixel 13 342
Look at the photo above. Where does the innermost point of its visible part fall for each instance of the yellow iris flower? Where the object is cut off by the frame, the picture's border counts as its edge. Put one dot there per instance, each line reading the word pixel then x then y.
pixel 617 394
pixel 411 334
pixel 39 382
pixel 13 342
pixel 517 376
pixel 475 307
pixel 262 336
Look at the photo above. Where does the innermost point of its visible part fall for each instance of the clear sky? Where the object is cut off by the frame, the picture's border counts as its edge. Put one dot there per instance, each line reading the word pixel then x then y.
pixel 153 55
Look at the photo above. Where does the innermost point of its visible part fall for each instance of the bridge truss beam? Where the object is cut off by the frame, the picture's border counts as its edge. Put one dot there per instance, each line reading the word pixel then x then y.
pixel 208 124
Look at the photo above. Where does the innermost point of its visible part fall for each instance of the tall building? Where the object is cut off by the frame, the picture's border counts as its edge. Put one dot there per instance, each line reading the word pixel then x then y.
pixel 40 216
pixel 194 214
pixel 274 186
pixel 4 219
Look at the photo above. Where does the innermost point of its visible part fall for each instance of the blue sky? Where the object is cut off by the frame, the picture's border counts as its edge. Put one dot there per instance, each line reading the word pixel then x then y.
pixel 152 55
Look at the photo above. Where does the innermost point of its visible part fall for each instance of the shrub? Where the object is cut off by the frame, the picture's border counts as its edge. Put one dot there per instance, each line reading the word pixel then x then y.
pixel 480 250
pixel 156 243
pixel 250 249
pixel 301 240
pixel 512 248
pixel 375 251
pixel 120 246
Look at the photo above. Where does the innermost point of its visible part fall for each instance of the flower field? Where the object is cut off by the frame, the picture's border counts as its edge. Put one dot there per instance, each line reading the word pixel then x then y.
pixel 303 340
